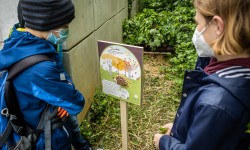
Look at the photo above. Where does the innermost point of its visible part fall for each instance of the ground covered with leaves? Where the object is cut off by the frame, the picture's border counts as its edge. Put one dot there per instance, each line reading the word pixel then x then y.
pixel 160 101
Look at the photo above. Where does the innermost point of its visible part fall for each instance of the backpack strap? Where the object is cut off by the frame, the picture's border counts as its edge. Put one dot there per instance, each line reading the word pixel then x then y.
pixel 6 134
pixel 13 111
pixel 25 63
pixel 47 130
pixel 11 100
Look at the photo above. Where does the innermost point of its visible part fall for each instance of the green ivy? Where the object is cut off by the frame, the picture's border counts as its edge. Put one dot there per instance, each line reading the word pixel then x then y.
pixel 160 5
pixel 103 106
pixel 162 24
pixel 182 32
pixel 145 29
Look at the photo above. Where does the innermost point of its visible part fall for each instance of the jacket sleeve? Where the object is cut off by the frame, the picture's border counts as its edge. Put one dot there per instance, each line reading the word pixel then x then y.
pixel 53 85
pixel 170 143
pixel 208 129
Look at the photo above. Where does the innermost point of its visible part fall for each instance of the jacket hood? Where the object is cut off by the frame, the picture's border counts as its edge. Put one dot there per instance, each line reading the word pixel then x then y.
pixel 238 87
pixel 21 45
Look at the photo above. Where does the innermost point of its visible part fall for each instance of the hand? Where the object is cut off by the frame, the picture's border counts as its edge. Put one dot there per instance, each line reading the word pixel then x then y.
pixel 168 127
pixel 157 140
pixel 58 116
pixel 62 112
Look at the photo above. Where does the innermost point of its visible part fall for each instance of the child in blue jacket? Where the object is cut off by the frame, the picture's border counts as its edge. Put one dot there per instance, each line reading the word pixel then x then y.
pixel 45 25
pixel 215 105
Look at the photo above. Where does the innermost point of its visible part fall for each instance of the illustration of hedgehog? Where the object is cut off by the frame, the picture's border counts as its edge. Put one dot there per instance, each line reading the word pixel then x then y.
pixel 121 80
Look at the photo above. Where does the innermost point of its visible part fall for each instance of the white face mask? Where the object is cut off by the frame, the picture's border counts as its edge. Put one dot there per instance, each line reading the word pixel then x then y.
pixel 201 46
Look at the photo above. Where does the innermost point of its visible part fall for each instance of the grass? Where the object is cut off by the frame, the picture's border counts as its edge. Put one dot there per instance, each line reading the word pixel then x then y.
pixel 159 104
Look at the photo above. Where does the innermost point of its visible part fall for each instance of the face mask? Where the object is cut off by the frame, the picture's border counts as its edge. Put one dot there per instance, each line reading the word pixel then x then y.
pixel 201 46
pixel 63 35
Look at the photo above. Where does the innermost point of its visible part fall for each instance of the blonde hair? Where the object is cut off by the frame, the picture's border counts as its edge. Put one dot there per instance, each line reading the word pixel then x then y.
pixel 236 16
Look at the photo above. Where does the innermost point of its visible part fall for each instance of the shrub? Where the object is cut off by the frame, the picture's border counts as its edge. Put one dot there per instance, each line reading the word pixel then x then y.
pixel 146 29
pixel 104 112
pixel 157 28
pixel 160 5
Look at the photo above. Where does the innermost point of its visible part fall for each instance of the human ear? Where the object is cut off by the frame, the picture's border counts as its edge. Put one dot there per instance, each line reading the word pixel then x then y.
pixel 219 25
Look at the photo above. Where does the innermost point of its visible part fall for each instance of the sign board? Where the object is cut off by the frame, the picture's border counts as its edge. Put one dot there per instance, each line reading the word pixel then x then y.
pixel 121 71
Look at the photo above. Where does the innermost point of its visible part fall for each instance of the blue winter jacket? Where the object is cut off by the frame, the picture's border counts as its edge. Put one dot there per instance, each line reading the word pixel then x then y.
pixel 213 113
pixel 42 84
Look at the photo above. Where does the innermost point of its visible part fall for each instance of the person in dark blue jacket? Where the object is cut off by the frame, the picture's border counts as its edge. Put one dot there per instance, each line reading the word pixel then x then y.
pixel 46 28
pixel 215 107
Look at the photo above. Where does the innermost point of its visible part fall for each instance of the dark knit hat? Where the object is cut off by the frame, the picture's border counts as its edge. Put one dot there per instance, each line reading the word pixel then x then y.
pixel 20 14
pixel 45 15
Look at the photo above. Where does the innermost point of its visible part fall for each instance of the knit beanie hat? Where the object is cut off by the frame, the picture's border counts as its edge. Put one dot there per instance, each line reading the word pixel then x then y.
pixel 20 15
pixel 45 15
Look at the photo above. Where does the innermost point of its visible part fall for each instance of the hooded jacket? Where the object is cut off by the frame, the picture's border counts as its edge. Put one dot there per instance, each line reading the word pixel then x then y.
pixel 41 84
pixel 213 113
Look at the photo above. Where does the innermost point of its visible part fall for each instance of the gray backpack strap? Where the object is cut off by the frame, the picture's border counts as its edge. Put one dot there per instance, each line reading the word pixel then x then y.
pixel 18 124
pixel 47 129
pixel 16 121
pixel 26 63
pixel 6 134
pixel 44 125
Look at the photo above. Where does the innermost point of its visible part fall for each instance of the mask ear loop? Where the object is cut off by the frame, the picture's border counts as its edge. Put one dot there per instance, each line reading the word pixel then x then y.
pixel 203 30
pixel 49 35
pixel 58 30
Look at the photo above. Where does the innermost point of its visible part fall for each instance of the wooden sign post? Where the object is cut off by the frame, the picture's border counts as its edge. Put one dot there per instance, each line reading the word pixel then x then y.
pixel 124 124
pixel 121 76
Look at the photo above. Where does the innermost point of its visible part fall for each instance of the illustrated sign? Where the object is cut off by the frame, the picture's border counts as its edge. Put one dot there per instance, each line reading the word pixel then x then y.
pixel 121 71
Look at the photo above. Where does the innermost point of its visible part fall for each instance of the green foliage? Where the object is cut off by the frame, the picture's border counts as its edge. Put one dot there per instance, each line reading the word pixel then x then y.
pixel 182 32
pixel 145 29
pixel 160 5
pixel 163 130
pixel 163 24
pixel 157 5
pixel 104 111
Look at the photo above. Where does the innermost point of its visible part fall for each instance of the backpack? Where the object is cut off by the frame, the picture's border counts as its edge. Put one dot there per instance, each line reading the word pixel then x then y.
pixel 14 133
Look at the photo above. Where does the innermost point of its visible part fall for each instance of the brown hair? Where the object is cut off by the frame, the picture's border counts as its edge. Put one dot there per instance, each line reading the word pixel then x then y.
pixel 236 16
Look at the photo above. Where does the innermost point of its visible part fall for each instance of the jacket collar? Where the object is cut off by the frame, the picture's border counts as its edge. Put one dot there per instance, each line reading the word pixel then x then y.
pixel 21 45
